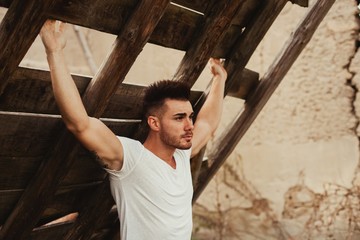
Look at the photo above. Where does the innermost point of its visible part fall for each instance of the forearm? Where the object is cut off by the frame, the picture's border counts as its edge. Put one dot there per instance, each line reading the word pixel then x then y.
pixel 66 93
pixel 211 111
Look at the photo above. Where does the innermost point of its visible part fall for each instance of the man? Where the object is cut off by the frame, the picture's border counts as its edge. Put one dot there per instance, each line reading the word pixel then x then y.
pixel 150 182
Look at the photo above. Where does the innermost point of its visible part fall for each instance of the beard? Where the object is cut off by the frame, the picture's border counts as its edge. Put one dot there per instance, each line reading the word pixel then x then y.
pixel 178 142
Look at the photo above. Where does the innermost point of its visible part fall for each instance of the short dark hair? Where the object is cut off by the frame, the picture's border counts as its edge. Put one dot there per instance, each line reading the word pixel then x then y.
pixel 156 93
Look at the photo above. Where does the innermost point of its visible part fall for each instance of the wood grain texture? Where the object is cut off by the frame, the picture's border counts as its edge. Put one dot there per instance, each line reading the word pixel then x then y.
pixel 176 29
pixel 218 20
pixel 15 28
pixel 29 90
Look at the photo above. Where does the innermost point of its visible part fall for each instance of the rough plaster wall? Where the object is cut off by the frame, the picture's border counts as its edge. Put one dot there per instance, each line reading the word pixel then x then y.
pixel 296 167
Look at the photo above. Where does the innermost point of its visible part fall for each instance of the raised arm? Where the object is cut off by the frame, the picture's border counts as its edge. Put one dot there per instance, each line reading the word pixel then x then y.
pixel 91 132
pixel 210 114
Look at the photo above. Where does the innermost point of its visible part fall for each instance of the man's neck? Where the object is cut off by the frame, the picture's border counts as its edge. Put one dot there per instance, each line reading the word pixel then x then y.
pixel 162 151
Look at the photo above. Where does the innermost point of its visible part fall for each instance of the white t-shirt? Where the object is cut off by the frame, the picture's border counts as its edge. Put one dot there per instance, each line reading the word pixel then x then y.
pixel 152 198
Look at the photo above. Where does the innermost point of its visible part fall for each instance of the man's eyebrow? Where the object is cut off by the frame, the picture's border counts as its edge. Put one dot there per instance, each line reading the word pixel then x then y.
pixel 183 114
pixel 179 114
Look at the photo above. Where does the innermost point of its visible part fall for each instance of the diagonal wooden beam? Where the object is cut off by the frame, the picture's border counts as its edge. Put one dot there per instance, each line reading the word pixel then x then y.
pixel 92 213
pixel 277 71
pixel 20 25
pixel 236 61
pixel 216 23
pixel 40 191
pixel 250 39
pixel 238 58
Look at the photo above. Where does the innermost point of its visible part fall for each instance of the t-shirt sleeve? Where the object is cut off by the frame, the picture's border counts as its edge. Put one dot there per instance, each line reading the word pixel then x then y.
pixel 133 151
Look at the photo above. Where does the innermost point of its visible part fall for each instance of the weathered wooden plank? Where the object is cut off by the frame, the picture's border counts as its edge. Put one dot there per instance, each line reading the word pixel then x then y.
pixel 26 135
pixel 5 3
pixel 29 90
pixel 8 200
pixel 250 39
pixel 277 71
pixel 67 199
pixel 109 227
pixel 85 169
pixel 16 172
pixel 210 32
pixel 126 103
pixel 94 212
pixel 15 28
pixel 239 56
pixel 245 84
pixel 198 5
pixel 39 193
pixel 107 16
pixel 175 30
pixel 31 135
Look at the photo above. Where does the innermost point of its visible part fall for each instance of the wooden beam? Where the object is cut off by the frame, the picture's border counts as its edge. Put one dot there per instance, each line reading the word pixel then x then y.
pixel 175 30
pixel 247 43
pixel 24 135
pixel 236 60
pixel 250 39
pixel 67 199
pixel 40 191
pixel 277 71
pixel 218 20
pixel 301 3
pixel 29 90
pixel 245 84
pixel 15 28
pixel 95 211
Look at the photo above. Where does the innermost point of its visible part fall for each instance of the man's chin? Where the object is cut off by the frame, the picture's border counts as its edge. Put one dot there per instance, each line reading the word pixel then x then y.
pixel 185 147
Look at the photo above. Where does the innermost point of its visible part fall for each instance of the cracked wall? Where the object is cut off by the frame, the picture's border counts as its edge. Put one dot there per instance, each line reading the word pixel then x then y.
pixel 297 168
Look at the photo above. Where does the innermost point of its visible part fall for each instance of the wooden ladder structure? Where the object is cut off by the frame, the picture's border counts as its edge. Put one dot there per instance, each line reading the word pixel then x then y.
pixel 44 173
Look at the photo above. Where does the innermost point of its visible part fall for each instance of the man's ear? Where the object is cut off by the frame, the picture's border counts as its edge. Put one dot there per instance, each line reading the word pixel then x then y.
pixel 153 123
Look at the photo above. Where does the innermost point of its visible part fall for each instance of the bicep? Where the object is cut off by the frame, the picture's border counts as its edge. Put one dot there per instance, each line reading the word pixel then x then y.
pixel 99 139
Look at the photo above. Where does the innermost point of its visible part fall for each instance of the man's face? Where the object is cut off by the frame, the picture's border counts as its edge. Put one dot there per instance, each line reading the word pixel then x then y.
pixel 176 124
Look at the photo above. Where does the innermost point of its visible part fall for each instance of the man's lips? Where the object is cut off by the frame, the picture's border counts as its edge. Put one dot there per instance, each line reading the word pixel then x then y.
pixel 188 136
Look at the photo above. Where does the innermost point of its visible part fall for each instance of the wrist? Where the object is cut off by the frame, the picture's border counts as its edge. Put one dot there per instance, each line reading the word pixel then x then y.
pixel 54 53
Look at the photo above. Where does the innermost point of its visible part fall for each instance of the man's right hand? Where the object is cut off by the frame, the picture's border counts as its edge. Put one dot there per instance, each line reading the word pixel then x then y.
pixel 52 36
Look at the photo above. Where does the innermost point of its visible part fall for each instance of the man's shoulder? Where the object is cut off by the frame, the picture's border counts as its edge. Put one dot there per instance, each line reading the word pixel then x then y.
pixel 184 153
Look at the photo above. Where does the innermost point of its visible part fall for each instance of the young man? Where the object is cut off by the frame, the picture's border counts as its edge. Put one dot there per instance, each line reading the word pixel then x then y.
pixel 150 182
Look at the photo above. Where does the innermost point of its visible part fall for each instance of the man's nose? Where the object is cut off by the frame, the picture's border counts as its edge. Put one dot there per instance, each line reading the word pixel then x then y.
pixel 189 125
